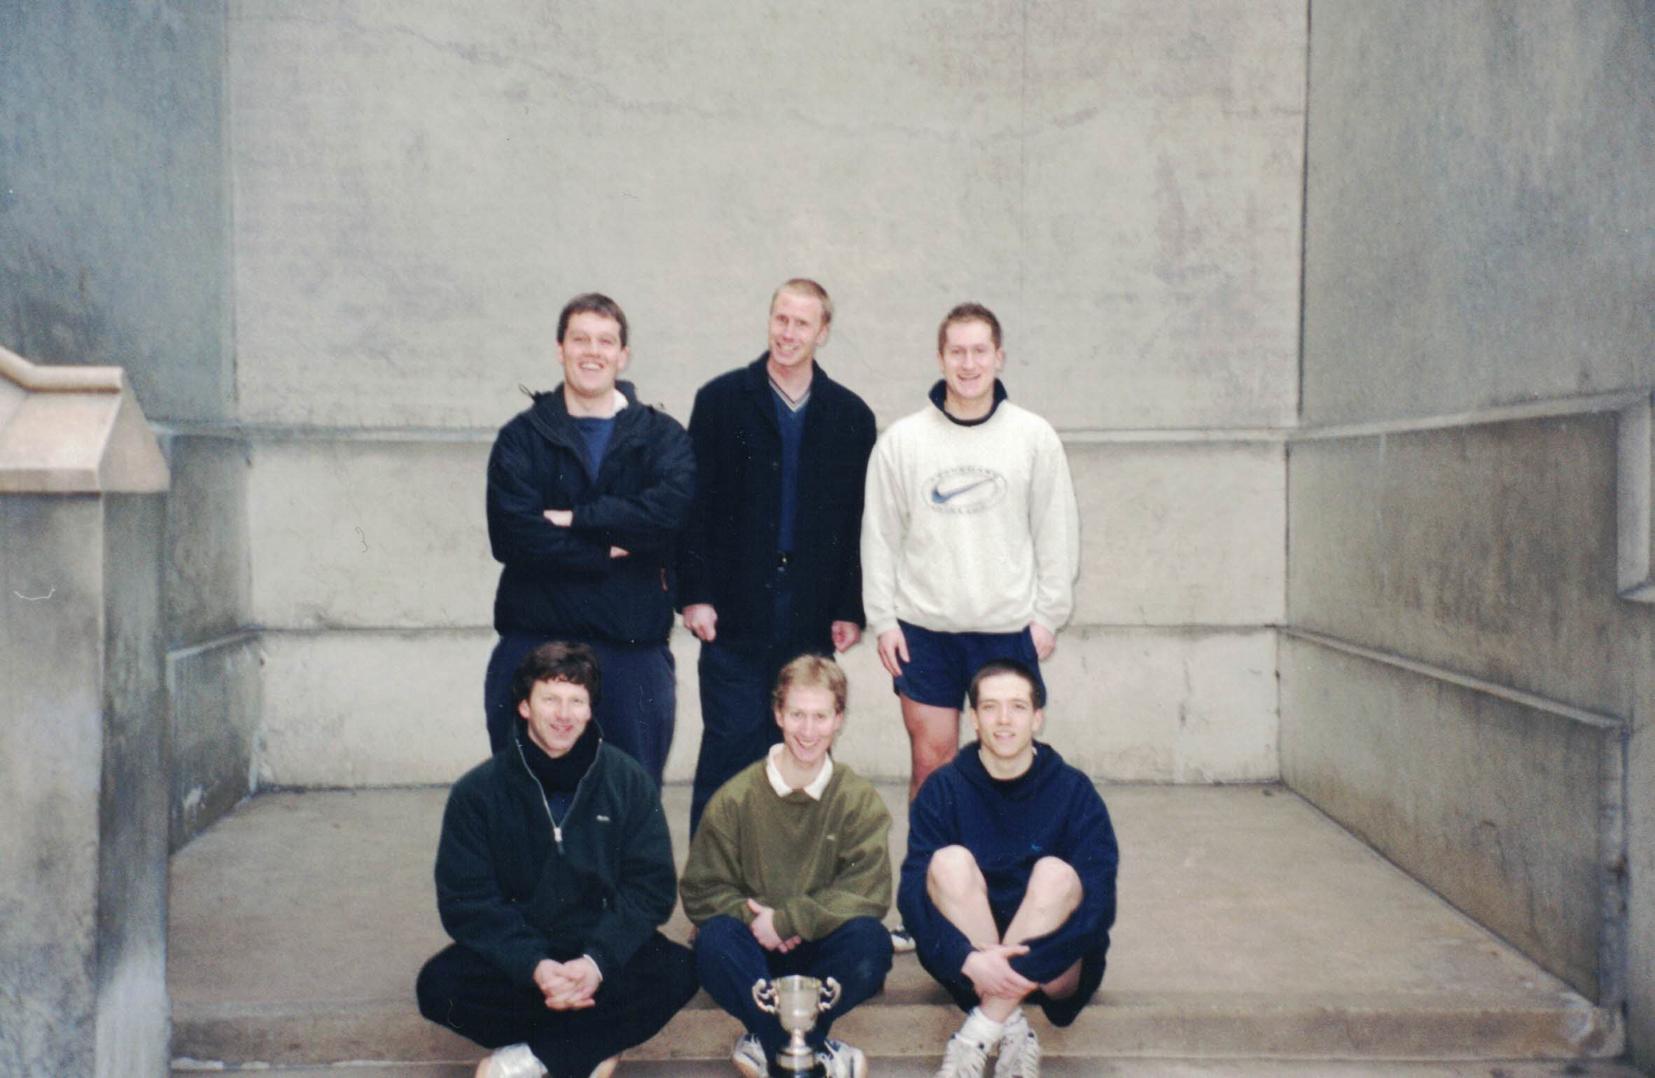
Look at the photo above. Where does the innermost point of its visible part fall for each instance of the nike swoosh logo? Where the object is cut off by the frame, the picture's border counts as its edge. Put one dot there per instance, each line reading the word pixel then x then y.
pixel 942 497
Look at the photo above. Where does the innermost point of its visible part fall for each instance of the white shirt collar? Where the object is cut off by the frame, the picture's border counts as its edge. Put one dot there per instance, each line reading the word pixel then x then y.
pixel 774 773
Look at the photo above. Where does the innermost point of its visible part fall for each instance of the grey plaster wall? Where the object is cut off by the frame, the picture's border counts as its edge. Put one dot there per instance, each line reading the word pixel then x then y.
pixel 418 190
pixel 1640 850
pixel 1481 206
pixel 208 586
pixel 1486 549
pixel 1493 804
pixel 1478 233
pixel 215 706
pixel 213 679
pixel 51 760
pixel 132 1027
pixel 114 208
pixel 82 787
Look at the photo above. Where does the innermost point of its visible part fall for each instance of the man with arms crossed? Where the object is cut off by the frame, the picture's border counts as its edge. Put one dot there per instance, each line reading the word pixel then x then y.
pixel 553 872
pixel 587 492
pixel 970 538
pixel 770 567
pixel 1009 882
pixel 790 873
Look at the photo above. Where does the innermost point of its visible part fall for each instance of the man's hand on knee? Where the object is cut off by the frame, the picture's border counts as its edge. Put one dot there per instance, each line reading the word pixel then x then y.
pixel 990 972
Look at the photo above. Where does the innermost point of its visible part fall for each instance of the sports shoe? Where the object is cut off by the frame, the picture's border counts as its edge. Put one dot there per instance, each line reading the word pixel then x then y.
pixel 841 1060
pixel 748 1056
pixel 512 1061
pixel 1019 1050
pixel 963 1058
pixel 902 940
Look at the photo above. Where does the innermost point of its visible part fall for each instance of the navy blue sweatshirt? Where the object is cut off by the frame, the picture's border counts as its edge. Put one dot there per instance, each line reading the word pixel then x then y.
pixel 1051 810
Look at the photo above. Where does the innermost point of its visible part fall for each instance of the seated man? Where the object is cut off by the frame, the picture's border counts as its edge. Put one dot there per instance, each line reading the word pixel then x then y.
pixel 1009 882
pixel 553 871
pixel 790 873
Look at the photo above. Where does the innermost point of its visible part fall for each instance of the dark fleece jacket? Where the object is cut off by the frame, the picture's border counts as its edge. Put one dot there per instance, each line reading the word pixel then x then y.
pixel 562 581
pixel 1050 810
pixel 516 886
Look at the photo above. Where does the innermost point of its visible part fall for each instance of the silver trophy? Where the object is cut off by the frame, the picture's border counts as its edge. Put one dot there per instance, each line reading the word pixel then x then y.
pixel 796 1001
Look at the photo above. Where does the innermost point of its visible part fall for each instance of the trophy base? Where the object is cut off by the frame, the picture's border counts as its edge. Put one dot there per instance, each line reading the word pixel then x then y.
pixel 813 1069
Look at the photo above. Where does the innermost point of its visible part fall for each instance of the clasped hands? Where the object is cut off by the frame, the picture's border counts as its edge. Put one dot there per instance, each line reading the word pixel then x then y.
pixel 989 970
pixel 567 986
pixel 764 929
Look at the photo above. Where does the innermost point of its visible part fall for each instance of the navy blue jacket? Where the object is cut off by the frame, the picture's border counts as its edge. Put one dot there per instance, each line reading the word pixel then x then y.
pixel 1050 810
pixel 514 890
pixel 562 581
pixel 729 549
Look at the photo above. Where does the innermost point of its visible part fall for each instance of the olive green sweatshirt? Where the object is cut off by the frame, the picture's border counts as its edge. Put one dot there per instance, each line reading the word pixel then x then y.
pixel 816 863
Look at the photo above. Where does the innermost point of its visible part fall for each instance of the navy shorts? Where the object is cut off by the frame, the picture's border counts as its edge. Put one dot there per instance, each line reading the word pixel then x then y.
pixel 1059 1012
pixel 941 665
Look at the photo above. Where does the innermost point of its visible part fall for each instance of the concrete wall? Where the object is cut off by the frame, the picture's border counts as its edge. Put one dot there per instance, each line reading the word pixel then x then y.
pixel 115 249
pixel 114 207
pixel 417 192
pixel 1480 214
pixel 82 787
pixel 1460 682
pixel 213 657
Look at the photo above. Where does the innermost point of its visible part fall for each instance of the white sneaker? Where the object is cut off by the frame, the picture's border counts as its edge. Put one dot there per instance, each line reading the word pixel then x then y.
pixel 902 940
pixel 748 1056
pixel 1019 1050
pixel 512 1061
pixel 841 1060
pixel 963 1058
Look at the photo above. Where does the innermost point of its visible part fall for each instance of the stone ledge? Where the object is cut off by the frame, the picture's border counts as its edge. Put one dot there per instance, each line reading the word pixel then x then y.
pixel 73 430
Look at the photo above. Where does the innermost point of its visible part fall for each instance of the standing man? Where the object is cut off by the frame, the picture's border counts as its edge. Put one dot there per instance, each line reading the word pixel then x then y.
pixel 770 566
pixel 970 542
pixel 791 875
pixel 1009 882
pixel 554 873
pixel 587 492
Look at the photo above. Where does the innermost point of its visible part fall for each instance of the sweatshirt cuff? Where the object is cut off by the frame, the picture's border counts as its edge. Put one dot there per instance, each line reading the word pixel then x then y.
pixel 876 629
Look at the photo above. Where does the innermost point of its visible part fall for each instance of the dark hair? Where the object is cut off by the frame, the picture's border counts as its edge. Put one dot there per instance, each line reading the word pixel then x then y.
pixel 591 303
pixel 557 661
pixel 1007 666
pixel 804 286
pixel 967 312
pixel 812 672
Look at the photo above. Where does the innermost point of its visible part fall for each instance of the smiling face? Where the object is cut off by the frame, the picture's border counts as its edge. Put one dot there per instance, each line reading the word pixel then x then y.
pixel 1006 720
pixel 592 355
pixel 797 328
pixel 557 713
pixel 970 360
pixel 809 722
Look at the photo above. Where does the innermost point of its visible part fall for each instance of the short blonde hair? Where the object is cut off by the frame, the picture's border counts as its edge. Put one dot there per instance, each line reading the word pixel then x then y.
pixel 811 672
pixel 808 287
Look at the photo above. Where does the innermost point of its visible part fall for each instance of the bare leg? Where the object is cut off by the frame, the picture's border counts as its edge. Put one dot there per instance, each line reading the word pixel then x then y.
pixel 960 893
pixel 933 739
pixel 1054 893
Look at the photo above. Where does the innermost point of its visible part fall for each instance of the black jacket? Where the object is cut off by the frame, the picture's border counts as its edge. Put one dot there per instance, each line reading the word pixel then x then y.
pixel 562 581
pixel 729 549
pixel 515 891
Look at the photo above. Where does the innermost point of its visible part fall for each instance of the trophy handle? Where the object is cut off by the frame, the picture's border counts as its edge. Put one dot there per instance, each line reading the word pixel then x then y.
pixel 764 994
pixel 830 994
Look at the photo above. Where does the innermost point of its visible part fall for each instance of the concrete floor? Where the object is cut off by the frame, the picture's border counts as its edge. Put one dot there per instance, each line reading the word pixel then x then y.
pixel 1251 928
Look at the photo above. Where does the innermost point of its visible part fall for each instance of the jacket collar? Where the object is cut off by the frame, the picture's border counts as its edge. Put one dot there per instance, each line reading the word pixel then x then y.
pixel 550 416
